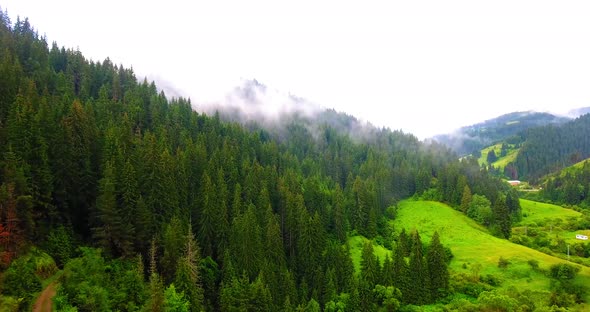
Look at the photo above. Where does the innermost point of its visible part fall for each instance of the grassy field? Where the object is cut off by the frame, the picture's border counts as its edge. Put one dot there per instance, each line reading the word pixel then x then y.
pixel 534 212
pixel 472 246
pixel 502 161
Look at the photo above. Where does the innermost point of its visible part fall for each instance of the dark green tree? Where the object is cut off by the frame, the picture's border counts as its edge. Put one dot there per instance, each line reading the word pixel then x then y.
pixel 419 290
pixel 437 268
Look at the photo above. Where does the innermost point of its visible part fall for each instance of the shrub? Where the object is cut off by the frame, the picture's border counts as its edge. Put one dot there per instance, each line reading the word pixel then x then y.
pixel 503 263
pixel 20 281
pixel 563 271
pixel 43 263
pixel 491 280
pixel 534 264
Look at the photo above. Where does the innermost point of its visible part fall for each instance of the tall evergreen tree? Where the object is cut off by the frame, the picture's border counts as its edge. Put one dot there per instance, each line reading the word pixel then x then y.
pixel 370 268
pixel 465 199
pixel 113 234
pixel 187 278
pixel 401 271
pixel 437 268
pixel 419 290
pixel 502 219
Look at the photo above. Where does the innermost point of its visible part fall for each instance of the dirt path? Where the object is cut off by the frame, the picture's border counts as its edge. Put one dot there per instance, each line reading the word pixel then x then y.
pixel 44 303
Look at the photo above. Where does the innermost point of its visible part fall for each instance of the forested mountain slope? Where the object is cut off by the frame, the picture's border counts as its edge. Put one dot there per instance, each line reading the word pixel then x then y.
pixel 551 148
pixel 471 139
pixel 220 215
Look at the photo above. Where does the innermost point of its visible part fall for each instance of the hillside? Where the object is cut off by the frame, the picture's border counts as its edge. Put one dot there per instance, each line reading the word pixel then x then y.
pixel 553 229
pixel 501 160
pixel 569 186
pixel 147 204
pixel 535 211
pixel 469 139
pixel 551 148
pixel 471 245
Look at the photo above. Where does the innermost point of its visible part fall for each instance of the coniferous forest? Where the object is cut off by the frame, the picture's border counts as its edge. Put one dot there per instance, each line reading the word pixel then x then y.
pixel 135 201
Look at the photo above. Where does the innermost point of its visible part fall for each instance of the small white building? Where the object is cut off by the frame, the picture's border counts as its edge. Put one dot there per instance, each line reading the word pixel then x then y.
pixel 513 182
pixel 583 237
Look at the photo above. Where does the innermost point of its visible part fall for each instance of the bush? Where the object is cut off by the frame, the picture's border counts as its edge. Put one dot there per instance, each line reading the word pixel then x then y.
pixel 60 245
pixel 43 263
pixel 563 271
pixel 20 281
pixel 491 280
pixel 503 263
pixel 448 254
pixel 534 264
pixel 9 304
pixel 495 301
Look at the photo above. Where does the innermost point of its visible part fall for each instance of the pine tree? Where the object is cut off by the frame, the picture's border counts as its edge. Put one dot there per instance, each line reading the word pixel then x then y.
pixel 437 268
pixel 502 218
pixel 112 232
pixel 465 199
pixel 329 289
pixel 156 301
pixel 208 217
pixel 419 291
pixel 246 243
pixel 387 274
pixel 370 270
pixel 404 243
pixel 173 241
pixel 187 278
pixel 401 272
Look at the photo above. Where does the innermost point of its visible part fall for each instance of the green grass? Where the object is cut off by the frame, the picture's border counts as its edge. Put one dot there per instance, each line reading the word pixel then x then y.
pixel 472 245
pixel 502 161
pixel 574 169
pixel 534 212
pixel 356 248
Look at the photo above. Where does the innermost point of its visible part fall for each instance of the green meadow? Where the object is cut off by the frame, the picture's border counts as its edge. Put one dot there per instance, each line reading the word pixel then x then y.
pixel 502 161
pixel 475 249
pixel 534 212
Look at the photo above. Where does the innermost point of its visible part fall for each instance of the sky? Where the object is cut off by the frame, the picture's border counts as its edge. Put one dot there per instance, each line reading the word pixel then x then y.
pixel 426 67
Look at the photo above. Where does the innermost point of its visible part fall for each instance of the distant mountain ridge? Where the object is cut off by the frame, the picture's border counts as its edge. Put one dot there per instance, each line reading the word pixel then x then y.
pixel 254 103
pixel 472 138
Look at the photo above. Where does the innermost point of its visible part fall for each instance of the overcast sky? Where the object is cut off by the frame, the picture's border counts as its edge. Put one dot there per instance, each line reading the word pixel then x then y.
pixel 426 67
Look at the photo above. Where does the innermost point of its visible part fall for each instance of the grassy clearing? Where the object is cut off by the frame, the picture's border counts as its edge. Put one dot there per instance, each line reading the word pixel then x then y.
pixel 534 212
pixel 575 168
pixel 502 161
pixel 356 248
pixel 473 246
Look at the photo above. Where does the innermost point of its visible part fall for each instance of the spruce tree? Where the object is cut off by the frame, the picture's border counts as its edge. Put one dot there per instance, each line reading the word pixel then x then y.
pixel 370 269
pixel 465 199
pixel 437 268
pixel 187 278
pixel 401 273
pixel 419 291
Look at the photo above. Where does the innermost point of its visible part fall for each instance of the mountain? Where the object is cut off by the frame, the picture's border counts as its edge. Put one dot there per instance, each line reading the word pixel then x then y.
pixel 254 104
pixel 469 139
pixel 578 112
pixel 552 147
pixel 145 203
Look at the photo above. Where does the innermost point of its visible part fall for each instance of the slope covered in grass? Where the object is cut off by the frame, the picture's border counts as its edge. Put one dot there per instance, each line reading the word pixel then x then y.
pixel 534 212
pixel 501 162
pixel 473 246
